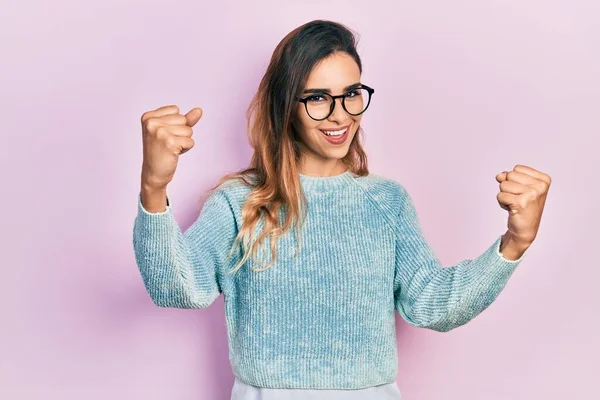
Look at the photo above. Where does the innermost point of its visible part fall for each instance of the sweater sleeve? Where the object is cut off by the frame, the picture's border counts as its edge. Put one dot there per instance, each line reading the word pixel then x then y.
pixel 184 269
pixel 429 295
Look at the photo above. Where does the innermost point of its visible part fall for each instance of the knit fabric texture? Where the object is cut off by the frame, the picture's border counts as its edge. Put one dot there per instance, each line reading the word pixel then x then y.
pixel 322 318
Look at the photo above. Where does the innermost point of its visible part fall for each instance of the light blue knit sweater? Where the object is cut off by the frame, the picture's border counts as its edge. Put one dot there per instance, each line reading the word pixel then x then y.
pixel 325 318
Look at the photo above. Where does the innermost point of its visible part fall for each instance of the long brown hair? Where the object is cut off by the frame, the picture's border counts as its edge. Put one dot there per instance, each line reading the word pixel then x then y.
pixel 273 172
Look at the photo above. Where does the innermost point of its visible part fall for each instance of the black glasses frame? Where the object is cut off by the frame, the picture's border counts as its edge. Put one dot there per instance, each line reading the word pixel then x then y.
pixel 340 96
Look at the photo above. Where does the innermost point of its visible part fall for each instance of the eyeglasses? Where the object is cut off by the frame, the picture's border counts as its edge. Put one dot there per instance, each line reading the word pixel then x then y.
pixel 319 106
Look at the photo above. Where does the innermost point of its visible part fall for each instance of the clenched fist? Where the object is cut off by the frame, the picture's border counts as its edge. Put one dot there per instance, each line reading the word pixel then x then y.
pixel 166 134
pixel 523 193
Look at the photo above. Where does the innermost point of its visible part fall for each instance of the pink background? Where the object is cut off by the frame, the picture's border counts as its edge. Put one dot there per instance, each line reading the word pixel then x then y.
pixel 463 91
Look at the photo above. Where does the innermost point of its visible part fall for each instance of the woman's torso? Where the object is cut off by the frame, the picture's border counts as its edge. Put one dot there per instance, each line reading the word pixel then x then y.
pixel 322 317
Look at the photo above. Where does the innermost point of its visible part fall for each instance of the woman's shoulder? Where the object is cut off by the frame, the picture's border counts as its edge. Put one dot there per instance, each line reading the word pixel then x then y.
pixel 234 191
pixel 387 195
pixel 382 187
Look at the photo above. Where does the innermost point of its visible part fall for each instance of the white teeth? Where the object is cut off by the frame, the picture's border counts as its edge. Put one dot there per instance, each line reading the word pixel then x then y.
pixel 334 133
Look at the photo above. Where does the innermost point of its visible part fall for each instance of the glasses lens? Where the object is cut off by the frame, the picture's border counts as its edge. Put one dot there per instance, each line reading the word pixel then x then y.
pixel 319 105
pixel 356 101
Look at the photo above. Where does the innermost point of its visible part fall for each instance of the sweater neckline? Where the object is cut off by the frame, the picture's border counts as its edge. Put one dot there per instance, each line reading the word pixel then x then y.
pixel 325 183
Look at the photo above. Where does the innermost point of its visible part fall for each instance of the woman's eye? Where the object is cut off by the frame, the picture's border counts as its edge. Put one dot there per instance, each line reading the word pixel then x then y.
pixel 352 93
pixel 316 98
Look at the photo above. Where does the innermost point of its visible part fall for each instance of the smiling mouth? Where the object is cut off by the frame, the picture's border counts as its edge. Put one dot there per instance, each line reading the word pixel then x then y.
pixel 336 137
pixel 336 132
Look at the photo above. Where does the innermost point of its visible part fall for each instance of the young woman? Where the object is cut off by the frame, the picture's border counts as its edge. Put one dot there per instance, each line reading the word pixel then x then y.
pixel 312 253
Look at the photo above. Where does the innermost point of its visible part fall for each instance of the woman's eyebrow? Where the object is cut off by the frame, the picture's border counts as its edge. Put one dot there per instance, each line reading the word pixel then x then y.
pixel 326 90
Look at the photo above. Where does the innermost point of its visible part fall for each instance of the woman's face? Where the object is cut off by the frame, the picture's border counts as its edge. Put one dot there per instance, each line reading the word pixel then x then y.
pixel 335 75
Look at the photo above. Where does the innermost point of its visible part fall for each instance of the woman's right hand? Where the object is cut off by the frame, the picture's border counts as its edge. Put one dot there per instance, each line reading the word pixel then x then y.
pixel 166 134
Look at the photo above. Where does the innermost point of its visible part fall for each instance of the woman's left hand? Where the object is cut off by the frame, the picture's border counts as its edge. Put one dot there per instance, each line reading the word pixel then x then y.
pixel 523 194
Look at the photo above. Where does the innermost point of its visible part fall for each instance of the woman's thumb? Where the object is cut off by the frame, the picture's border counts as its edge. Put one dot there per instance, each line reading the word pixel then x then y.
pixel 193 116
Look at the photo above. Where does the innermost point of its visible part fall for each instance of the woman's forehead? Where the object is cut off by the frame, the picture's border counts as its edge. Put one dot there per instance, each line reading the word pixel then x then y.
pixel 335 73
